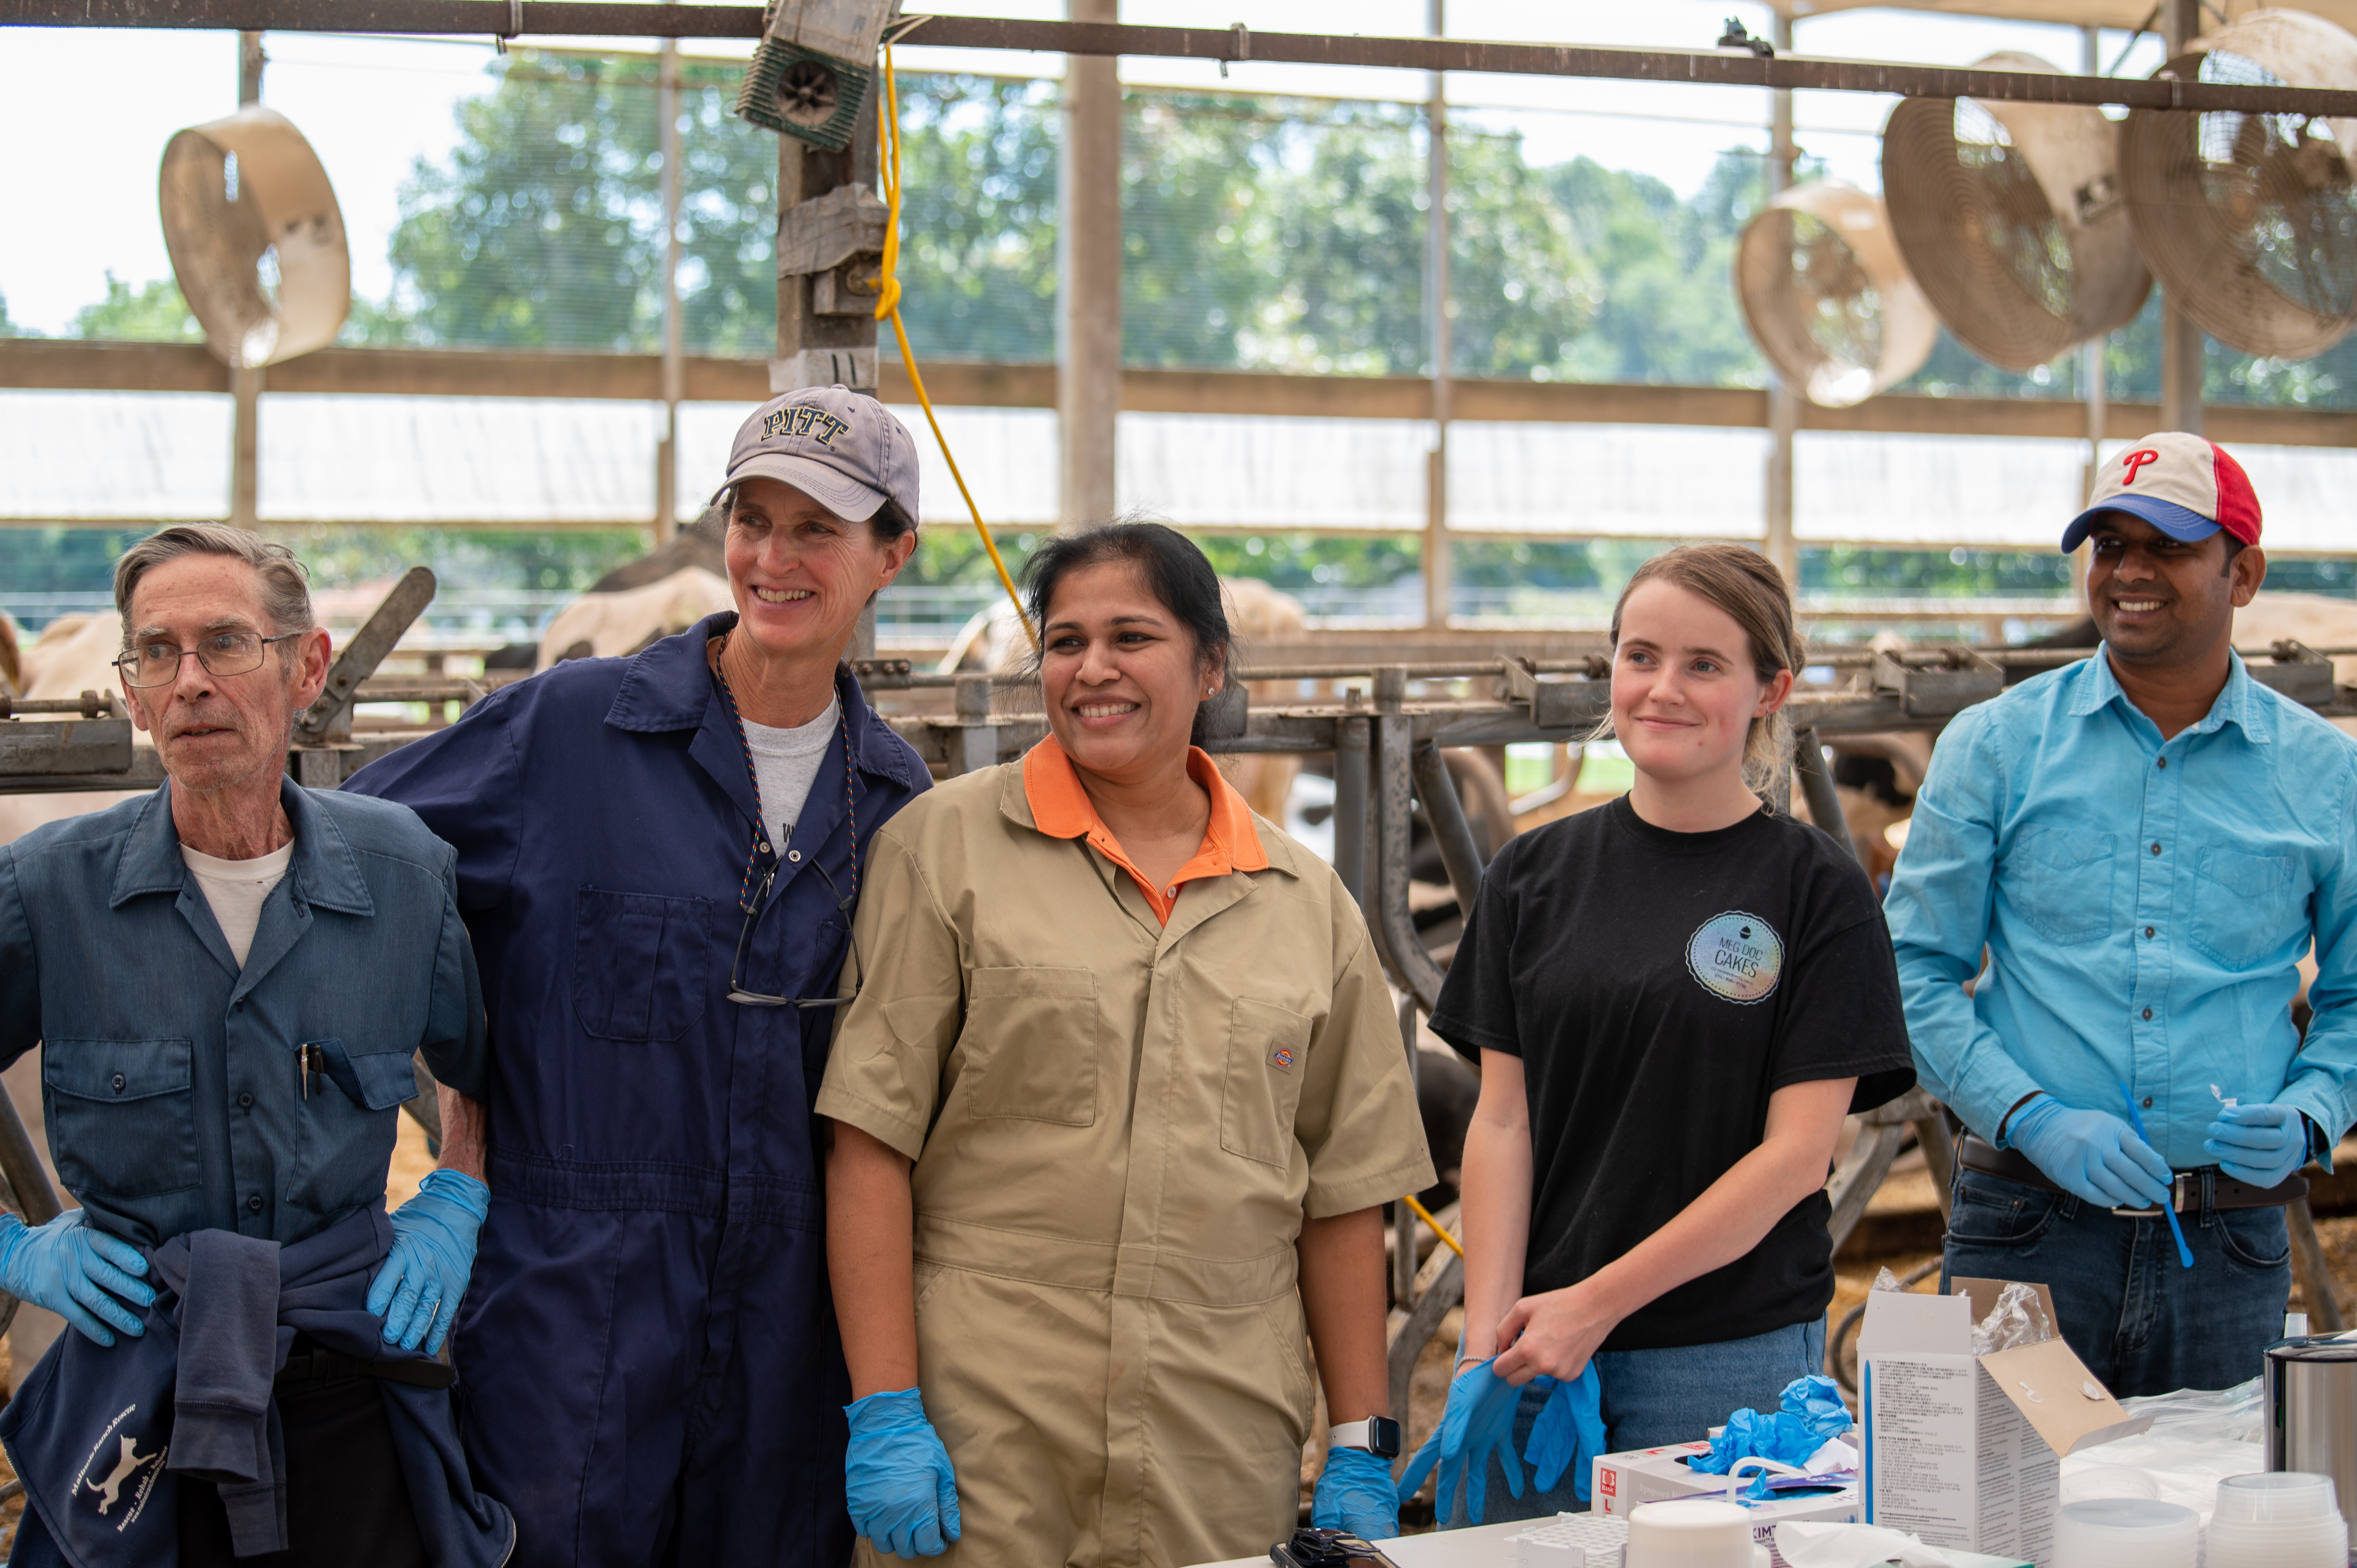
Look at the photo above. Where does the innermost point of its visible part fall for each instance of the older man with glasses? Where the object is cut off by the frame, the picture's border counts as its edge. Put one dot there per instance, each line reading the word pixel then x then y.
pixel 228 979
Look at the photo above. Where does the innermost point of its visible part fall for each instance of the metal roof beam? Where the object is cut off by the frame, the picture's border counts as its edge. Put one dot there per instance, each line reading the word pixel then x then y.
pixel 1725 67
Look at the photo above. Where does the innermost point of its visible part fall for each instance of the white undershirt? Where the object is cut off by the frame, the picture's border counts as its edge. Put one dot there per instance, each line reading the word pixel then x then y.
pixel 235 889
pixel 785 763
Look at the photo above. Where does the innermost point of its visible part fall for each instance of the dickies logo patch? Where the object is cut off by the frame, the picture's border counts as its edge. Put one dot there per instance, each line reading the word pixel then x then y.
pixel 1281 1057
pixel 1736 956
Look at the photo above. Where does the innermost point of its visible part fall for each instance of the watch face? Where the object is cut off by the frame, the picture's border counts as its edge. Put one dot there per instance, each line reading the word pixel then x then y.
pixel 1382 1437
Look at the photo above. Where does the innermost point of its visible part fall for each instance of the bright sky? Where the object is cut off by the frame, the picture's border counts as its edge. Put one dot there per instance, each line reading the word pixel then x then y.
pixel 87 111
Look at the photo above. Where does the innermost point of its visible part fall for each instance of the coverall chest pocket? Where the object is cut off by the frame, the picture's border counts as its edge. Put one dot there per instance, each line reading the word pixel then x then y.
pixel 640 962
pixel 1031 1040
pixel 343 1133
pixel 124 1115
pixel 2243 904
pixel 2064 877
pixel 1268 1053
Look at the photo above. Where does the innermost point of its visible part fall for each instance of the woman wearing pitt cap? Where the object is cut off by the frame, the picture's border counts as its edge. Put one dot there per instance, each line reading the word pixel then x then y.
pixel 1112 1115
pixel 658 860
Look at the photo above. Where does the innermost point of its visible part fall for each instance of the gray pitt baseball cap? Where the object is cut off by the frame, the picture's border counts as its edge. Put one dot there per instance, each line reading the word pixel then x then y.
pixel 838 446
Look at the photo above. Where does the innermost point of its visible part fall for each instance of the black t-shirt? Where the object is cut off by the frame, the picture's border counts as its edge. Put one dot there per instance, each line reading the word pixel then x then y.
pixel 1659 986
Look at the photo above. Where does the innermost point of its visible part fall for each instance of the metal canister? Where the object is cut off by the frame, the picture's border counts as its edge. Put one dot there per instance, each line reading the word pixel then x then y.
pixel 2311 1393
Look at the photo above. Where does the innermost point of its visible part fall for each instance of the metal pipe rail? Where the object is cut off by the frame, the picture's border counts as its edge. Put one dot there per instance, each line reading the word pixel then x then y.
pixel 1725 68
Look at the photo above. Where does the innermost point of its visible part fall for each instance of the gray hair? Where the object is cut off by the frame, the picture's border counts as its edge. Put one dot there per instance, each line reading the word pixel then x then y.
pixel 286 586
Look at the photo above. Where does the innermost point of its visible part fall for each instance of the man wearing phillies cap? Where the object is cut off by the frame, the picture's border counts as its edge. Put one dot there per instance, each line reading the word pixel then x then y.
pixel 2144 844
pixel 658 861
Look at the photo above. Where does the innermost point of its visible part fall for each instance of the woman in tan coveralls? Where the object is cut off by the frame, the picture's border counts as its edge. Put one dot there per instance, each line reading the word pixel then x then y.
pixel 1136 1045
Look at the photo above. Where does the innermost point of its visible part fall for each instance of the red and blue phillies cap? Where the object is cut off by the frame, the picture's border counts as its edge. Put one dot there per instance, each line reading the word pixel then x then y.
pixel 2185 487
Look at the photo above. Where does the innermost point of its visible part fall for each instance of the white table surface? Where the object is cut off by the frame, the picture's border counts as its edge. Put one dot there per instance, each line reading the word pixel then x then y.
pixel 1484 1546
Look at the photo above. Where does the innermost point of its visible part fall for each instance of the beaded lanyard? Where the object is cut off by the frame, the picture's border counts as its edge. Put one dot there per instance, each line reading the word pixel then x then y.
pixel 745 900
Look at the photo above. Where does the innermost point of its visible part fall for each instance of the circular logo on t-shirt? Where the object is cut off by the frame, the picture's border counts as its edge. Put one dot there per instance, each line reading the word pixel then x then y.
pixel 1736 956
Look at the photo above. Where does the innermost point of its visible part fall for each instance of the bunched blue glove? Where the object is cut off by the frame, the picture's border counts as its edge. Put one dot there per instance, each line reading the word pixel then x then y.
pixel 897 1481
pixel 1479 1422
pixel 71 1268
pixel 1354 1493
pixel 423 1278
pixel 2261 1145
pixel 2093 1154
pixel 1568 1434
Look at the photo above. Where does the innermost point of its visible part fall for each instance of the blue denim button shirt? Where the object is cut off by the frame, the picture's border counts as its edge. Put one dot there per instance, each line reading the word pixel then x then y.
pixel 2145 905
pixel 170 1077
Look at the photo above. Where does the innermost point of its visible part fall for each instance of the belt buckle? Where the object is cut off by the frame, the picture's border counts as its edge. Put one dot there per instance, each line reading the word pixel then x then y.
pixel 2179 1195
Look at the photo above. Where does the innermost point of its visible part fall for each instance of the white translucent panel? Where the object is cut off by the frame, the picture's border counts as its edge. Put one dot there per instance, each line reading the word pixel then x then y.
pixel 1251 471
pixel 457 460
pixel 1644 481
pixel 2303 496
pixel 1007 455
pixel 1928 491
pixel 123 456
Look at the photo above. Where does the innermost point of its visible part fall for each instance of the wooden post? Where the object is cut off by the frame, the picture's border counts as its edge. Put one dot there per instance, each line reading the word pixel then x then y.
pixel 245 381
pixel 1783 400
pixel 1088 267
pixel 674 367
pixel 816 349
pixel 2180 338
pixel 2092 372
pixel 1436 551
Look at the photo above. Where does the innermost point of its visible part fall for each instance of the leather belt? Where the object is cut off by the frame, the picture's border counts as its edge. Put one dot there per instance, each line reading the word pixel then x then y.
pixel 1975 1153
pixel 318 1366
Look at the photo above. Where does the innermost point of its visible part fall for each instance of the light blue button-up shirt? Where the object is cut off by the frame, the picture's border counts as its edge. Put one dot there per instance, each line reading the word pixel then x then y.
pixel 2144 905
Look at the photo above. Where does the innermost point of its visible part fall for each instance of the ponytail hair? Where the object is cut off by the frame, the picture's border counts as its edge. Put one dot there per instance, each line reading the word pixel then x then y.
pixel 1746 585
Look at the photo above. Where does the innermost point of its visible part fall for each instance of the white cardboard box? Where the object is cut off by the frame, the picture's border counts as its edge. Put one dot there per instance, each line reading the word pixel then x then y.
pixel 1965 1451
pixel 1619 1482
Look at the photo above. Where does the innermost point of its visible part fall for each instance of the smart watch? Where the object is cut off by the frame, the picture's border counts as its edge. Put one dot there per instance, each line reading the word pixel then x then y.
pixel 1378 1434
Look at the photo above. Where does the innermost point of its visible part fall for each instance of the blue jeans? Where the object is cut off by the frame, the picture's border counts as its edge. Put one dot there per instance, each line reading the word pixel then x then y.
pixel 1657 1397
pixel 2143 1323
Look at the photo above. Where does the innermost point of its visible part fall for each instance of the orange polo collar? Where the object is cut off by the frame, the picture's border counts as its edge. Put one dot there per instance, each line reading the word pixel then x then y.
pixel 1061 809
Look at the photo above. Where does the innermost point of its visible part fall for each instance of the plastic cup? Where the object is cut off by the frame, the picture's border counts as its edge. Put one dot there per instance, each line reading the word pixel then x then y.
pixel 2109 1532
pixel 2280 1496
pixel 1689 1532
pixel 2283 1520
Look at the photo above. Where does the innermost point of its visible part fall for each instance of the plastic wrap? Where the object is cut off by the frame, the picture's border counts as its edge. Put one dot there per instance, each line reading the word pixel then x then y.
pixel 2018 1318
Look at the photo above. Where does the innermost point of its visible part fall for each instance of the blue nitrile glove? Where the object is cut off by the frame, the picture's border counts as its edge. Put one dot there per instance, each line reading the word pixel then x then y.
pixel 1815 1402
pixel 2261 1145
pixel 71 1268
pixel 1354 1493
pixel 1479 1422
pixel 897 1477
pixel 2092 1154
pixel 423 1278
pixel 1569 1432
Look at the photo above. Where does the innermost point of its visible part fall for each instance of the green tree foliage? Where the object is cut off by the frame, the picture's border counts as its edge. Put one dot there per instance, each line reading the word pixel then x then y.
pixel 11 328
pixel 152 313
pixel 977 218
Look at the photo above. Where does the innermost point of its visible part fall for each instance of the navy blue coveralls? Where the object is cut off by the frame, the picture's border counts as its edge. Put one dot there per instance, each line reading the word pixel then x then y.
pixel 650 1363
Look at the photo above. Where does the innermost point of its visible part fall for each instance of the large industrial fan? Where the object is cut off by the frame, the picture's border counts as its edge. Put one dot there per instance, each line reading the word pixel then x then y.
pixel 1827 297
pixel 2009 216
pixel 255 236
pixel 2251 219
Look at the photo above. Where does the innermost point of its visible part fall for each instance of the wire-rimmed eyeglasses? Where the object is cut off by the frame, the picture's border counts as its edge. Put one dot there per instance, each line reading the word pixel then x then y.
pixel 221 652
pixel 737 991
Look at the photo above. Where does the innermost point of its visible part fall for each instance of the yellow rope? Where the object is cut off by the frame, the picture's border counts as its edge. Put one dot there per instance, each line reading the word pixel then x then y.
pixel 1426 1215
pixel 887 307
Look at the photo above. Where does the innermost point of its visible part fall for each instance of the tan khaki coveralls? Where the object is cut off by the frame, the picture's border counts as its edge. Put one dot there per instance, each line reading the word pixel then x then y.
pixel 1117 1128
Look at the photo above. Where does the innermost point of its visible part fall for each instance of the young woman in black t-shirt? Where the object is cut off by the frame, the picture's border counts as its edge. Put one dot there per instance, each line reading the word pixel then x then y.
pixel 1675 998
